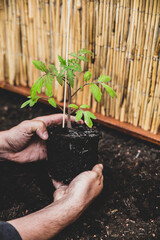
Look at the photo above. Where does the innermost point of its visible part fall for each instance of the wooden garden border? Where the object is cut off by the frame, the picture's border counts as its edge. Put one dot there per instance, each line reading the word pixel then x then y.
pixel 107 121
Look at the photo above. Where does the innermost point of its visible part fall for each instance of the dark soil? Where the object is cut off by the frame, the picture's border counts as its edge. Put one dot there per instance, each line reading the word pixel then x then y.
pixel 71 151
pixel 129 206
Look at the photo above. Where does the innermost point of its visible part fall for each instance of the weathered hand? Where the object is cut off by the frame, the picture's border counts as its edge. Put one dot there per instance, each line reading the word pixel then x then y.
pixel 83 189
pixel 26 141
pixel 70 202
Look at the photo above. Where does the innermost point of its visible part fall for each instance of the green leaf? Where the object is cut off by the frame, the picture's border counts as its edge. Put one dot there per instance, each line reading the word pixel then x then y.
pixel 79 115
pixel 33 101
pixel 73 106
pixel 83 58
pixel 59 78
pixel 53 69
pixel 104 78
pixel 62 61
pixel 109 90
pixel 48 84
pixel 84 51
pixel 78 66
pixel 96 92
pixel 62 71
pixel 84 106
pixel 87 76
pixel 70 77
pixel 87 120
pixel 40 65
pixel 73 54
pixel 52 102
pixel 48 93
pixel 37 86
pixel 74 68
pixel 90 114
pixel 73 60
pixel 25 104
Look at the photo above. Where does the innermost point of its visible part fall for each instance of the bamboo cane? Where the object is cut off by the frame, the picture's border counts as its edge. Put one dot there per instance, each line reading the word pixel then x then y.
pixel 2 40
pixel 122 34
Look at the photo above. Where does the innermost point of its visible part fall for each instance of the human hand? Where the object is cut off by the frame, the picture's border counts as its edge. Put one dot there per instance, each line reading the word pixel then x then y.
pixel 83 189
pixel 26 141
pixel 69 202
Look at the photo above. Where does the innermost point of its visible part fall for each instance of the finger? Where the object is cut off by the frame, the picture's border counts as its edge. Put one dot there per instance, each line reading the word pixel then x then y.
pixel 55 119
pixel 80 122
pixel 101 178
pixel 59 193
pixel 39 128
pixel 73 120
pixel 98 168
pixel 51 119
pixel 57 184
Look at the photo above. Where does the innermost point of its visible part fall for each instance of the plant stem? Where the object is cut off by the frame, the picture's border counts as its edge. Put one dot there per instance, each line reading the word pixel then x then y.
pixel 63 79
pixel 84 86
pixel 69 109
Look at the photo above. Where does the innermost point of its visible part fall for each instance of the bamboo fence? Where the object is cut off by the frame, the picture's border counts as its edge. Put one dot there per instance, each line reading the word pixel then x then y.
pixel 124 36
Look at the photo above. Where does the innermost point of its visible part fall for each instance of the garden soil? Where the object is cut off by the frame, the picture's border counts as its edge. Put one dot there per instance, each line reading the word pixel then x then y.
pixel 71 151
pixel 129 206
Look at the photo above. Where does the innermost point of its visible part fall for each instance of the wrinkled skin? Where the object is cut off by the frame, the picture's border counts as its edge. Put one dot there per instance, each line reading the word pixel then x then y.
pixel 26 141
pixel 88 183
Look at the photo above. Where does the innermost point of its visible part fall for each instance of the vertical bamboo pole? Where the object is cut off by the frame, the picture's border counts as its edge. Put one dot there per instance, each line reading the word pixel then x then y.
pixel 2 40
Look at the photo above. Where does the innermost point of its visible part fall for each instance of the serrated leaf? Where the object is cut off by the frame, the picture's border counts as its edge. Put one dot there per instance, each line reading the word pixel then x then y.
pixel 52 102
pixel 74 68
pixel 48 93
pixel 61 60
pixel 25 104
pixel 37 86
pixel 73 54
pixel 84 51
pixel 73 60
pixel 40 65
pixel 78 66
pixel 104 78
pixel 83 58
pixel 95 90
pixel 109 90
pixel 70 77
pixel 53 69
pixel 33 101
pixel 62 71
pixel 73 106
pixel 87 76
pixel 59 78
pixel 79 115
pixel 87 120
pixel 48 84
pixel 90 114
pixel 84 106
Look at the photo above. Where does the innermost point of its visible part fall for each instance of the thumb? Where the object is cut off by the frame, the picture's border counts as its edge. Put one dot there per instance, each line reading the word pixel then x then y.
pixel 59 193
pixel 36 126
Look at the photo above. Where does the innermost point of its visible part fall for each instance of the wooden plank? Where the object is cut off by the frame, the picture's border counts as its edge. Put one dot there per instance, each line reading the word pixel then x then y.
pixel 128 129
pixel 107 121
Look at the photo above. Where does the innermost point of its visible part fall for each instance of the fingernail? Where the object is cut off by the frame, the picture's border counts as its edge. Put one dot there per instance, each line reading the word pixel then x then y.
pixel 45 135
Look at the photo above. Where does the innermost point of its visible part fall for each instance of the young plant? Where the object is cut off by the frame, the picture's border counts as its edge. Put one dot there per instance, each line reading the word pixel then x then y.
pixel 67 74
